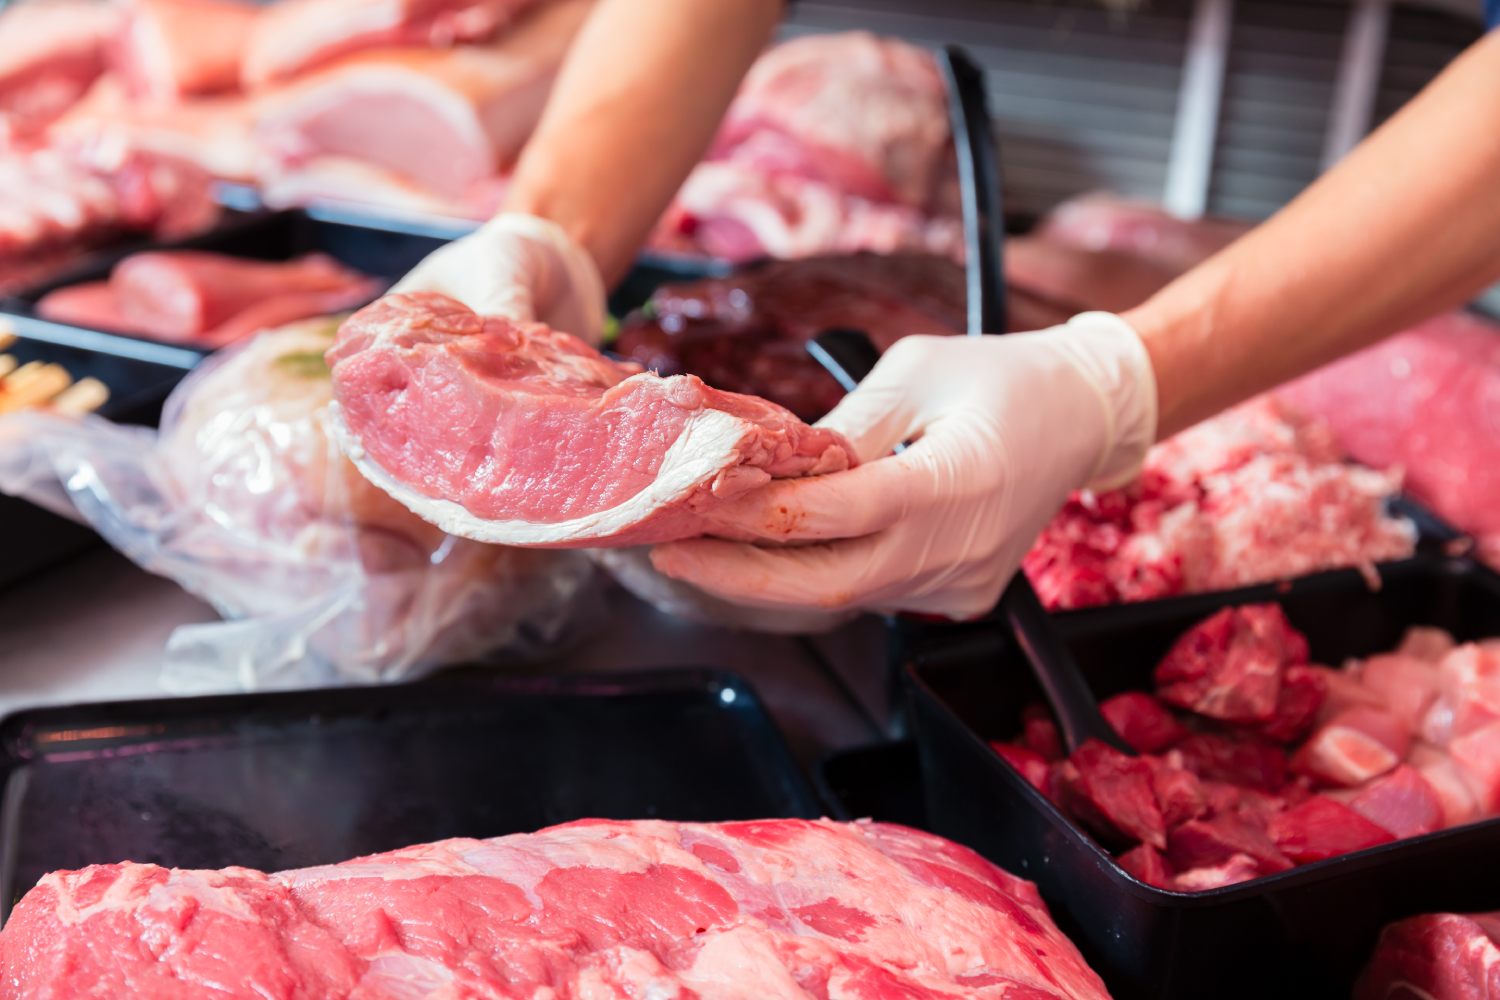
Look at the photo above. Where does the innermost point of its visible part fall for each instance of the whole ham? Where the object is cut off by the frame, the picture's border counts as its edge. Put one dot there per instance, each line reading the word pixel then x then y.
pixel 445 120
pixel 171 49
pixel 1444 956
pixel 522 435
pixel 296 35
pixel 770 910
pixel 211 299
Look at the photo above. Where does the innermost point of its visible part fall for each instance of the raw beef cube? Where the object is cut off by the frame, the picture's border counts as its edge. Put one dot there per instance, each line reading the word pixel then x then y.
pixel 1147 864
pixel 1039 732
pixel 1111 794
pixel 1251 805
pixel 1402 802
pixel 1297 706
pixel 1470 678
pixel 1237 868
pixel 1442 956
pixel 1027 763
pixel 1230 666
pixel 1322 828
pixel 1407 686
pixel 1179 793
pixel 1478 758
pixel 1142 722
pixel 1239 760
pixel 1448 782
pixel 1202 843
pixel 1425 643
pixel 1357 745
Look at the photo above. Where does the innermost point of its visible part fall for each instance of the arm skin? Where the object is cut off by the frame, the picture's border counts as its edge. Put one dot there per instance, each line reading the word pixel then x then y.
pixel 1408 225
pixel 634 108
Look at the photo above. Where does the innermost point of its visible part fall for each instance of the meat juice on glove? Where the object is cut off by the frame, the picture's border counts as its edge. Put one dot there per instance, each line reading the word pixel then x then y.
pixel 517 434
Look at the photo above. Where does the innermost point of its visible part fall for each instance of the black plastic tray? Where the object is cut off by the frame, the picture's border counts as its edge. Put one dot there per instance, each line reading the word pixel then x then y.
pixel 284 780
pixel 1301 933
pixel 139 380
pixel 881 781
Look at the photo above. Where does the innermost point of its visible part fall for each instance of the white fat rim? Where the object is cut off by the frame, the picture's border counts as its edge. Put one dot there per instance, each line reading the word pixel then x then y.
pixel 708 444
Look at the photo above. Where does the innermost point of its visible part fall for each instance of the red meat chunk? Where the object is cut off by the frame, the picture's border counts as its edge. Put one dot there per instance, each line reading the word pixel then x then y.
pixel 1147 864
pixel 1039 732
pixel 1297 705
pixel 1478 758
pixel 1446 956
pixel 1027 762
pixel 1230 665
pixel 1322 828
pixel 1248 804
pixel 1179 793
pixel 1238 760
pixel 1111 794
pixel 1203 843
pixel 1238 868
pixel 1402 801
pixel 1355 746
pixel 1144 723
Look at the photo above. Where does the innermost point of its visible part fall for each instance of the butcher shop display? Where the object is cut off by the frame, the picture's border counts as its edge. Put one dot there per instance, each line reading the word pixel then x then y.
pixel 1445 956
pixel 561 447
pixel 244 500
pixel 590 909
pixel 1251 758
pixel 1258 493
pixel 51 52
pixel 208 299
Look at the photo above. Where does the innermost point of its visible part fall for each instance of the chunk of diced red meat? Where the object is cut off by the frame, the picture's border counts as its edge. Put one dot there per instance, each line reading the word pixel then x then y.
pixel 1322 828
pixel 1235 869
pixel 1143 722
pixel 1249 804
pixel 1039 732
pixel 1239 760
pixel 1402 801
pixel 1230 665
pixel 1440 956
pixel 1447 781
pixel 1027 763
pixel 1477 755
pixel 1297 705
pixel 1148 865
pixel 1356 745
pixel 1112 794
pixel 1203 843
pixel 1179 793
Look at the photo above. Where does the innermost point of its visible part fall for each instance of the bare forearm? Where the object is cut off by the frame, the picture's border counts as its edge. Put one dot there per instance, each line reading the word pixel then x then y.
pixel 635 106
pixel 1408 225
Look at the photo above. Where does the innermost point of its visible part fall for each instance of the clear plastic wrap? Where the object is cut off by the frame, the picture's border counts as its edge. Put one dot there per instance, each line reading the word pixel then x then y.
pixel 244 500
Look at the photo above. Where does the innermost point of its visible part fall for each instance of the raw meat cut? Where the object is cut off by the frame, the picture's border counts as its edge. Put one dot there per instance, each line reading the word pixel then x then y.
pixel 1212 801
pixel 51 52
pixel 1252 495
pixel 57 202
pixel 446 120
pixel 1426 401
pixel 343 181
pixel 296 35
pixel 1106 222
pixel 522 435
pixel 171 49
pixel 593 909
pixel 1077 280
pixel 208 298
pixel 1443 956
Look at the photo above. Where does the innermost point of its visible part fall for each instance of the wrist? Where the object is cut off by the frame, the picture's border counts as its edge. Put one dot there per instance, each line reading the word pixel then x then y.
pixel 1112 357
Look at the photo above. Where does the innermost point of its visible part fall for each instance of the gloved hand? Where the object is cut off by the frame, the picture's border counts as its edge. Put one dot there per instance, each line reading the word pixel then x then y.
pixel 1003 428
pixel 520 267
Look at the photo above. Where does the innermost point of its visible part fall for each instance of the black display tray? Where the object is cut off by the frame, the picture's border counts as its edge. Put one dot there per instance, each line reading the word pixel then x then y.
pixel 285 780
pixel 881 781
pixel 1302 933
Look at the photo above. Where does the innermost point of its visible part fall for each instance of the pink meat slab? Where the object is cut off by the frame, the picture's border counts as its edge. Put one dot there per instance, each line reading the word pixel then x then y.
pixel 516 434
pixel 594 909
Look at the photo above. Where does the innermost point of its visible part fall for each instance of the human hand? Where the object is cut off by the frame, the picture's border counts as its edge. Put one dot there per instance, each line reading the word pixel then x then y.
pixel 1002 429
pixel 521 267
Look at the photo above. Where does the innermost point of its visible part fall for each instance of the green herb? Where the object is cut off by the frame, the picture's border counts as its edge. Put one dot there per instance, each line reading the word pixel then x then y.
pixel 303 364
pixel 611 330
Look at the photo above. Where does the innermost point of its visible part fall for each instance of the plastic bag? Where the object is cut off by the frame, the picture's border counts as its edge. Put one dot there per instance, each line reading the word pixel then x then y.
pixel 244 500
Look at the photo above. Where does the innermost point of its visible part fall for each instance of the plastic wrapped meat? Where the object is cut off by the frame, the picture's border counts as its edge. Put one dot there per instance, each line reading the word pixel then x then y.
pixel 244 500
pixel 1252 495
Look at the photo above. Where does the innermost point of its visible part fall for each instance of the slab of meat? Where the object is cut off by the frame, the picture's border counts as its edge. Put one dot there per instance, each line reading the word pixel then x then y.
pixel 522 435
pixel 171 49
pixel 1106 222
pixel 1427 401
pixel 1268 760
pixel 1254 494
pixel 347 182
pixel 1442 956
pixel 208 298
pixel 57 202
pixel 296 35
pixel 443 119
pixel 51 51
pixel 593 909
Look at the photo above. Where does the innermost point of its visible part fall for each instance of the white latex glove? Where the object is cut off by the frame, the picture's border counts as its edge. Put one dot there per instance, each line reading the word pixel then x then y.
pixel 1003 428
pixel 520 267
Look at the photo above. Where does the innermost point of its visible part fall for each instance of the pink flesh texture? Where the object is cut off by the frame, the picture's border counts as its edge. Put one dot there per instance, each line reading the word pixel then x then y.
pixel 1231 666
pixel 172 49
pixel 1403 802
pixel 774 910
pixel 1441 956
pixel 521 430
pixel 49 55
pixel 296 35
